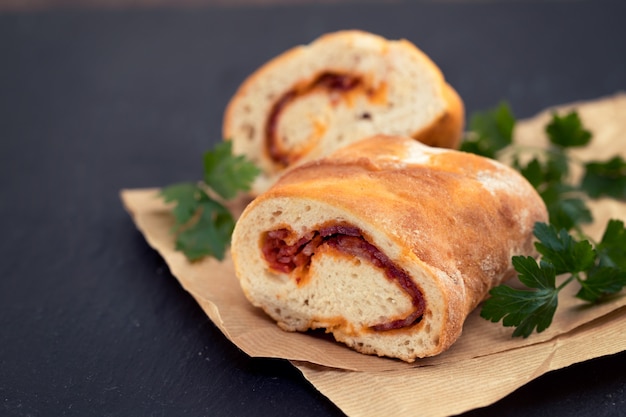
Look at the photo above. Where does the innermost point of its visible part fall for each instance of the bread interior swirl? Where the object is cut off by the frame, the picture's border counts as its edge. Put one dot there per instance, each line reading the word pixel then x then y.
pixel 286 146
pixel 350 296
pixel 294 256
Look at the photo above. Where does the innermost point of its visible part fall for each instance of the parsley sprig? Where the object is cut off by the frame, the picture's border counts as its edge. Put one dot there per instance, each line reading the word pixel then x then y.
pixel 598 268
pixel 203 224
pixel 599 272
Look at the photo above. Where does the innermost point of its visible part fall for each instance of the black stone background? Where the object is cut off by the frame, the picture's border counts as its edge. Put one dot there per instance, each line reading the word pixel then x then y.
pixel 92 323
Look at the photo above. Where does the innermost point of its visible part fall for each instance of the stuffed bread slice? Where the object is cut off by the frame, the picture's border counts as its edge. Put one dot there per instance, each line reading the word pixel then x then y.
pixel 388 244
pixel 342 87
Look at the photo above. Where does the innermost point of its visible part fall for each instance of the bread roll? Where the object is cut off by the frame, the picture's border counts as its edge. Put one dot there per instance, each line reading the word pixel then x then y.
pixel 388 244
pixel 345 86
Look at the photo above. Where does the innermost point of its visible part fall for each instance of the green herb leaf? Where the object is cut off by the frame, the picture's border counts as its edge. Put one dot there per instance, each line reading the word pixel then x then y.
pixel 548 177
pixel 210 234
pixel 203 226
pixel 533 275
pixel 533 172
pixel 524 309
pixel 605 179
pixel 567 131
pixel 552 172
pixel 556 168
pixel 612 248
pixel 226 173
pixel 601 282
pixel 564 252
pixel 565 211
pixel 186 196
pixel 492 131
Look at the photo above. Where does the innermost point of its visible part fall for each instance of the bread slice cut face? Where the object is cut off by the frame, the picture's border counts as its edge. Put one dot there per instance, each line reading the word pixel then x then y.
pixel 344 86
pixel 388 244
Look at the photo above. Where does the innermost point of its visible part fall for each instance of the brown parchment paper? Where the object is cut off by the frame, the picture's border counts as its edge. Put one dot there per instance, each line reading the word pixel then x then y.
pixel 484 365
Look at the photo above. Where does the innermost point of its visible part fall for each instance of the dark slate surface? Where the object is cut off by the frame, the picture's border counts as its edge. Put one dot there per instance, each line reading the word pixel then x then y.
pixel 91 321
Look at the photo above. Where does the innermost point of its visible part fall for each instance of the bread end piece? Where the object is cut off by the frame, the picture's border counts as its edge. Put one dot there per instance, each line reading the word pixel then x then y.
pixel 343 87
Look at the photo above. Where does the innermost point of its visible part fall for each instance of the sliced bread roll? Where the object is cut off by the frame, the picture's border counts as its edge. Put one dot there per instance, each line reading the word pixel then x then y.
pixel 345 86
pixel 388 244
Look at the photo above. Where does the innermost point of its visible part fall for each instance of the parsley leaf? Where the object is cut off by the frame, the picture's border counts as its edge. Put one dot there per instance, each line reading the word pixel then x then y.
pixel 533 275
pixel 553 170
pixel 210 234
pixel 600 282
pixel 565 210
pixel 562 250
pixel 227 174
pixel 492 131
pixel 533 172
pixel 605 179
pixel 202 224
pixel 567 131
pixel 612 247
pixel 524 309
pixel 596 271
pixel 186 196
pixel 549 175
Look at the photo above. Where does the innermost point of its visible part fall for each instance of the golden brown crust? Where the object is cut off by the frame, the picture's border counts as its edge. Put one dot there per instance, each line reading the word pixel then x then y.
pixel 447 130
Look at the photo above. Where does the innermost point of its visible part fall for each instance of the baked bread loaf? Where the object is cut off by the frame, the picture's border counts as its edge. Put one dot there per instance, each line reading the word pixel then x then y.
pixel 388 244
pixel 343 87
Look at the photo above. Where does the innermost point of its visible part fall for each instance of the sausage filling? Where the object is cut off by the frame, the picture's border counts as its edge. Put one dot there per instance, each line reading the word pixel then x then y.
pixel 327 81
pixel 287 258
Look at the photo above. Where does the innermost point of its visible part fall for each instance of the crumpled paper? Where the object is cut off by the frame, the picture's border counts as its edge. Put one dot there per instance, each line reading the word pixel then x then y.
pixel 483 366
